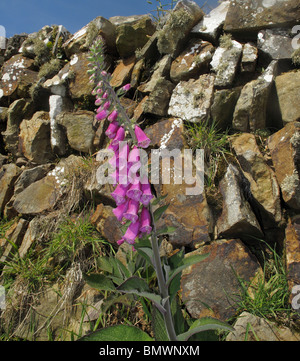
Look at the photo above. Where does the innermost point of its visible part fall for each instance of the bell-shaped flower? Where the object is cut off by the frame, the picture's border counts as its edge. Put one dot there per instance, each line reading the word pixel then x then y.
pixel 120 210
pixel 113 147
pixel 145 221
pixel 134 192
pixel 112 131
pixel 106 105
pixel 134 160
pixel 102 114
pixel 98 101
pixel 132 212
pixel 132 232
pixel 123 155
pixel 126 87
pixel 113 116
pixel 120 135
pixel 119 194
pixel 146 194
pixel 142 139
pixel 121 241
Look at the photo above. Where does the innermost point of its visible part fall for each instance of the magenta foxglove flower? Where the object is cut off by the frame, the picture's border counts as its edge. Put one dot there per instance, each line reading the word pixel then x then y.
pixel 145 221
pixel 127 87
pixel 134 163
pixel 102 115
pixel 106 105
pixel 132 212
pixel 123 155
pixel 132 232
pixel 121 241
pixel 142 139
pixel 119 136
pixel 114 147
pixel 120 210
pixel 134 192
pixel 113 116
pixel 119 194
pixel 146 194
pixel 134 155
pixel 112 131
pixel 98 101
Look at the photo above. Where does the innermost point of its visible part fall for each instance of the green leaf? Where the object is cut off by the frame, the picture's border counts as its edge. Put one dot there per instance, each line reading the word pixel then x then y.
pixel 139 287
pixel 166 230
pixel 188 261
pixel 204 324
pixel 100 282
pixel 118 333
pixel 174 286
pixel 158 326
pixel 180 323
pixel 175 260
pixel 147 253
pixel 104 263
pixel 159 212
pixel 134 283
pixel 159 199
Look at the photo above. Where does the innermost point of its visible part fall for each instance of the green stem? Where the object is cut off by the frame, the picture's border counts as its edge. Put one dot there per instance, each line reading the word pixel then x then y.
pixel 120 108
pixel 163 288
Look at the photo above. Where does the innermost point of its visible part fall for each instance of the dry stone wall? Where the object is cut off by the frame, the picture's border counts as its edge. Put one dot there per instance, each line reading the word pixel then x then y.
pixel 234 66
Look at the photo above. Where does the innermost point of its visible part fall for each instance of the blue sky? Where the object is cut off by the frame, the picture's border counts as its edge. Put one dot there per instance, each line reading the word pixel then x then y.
pixel 18 16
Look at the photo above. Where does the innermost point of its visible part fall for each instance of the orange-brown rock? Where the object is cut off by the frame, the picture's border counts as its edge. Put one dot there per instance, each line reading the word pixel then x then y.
pixel 122 72
pixel 8 176
pixel 262 181
pixel 106 223
pixel 284 147
pixel 193 61
pixel 189 214
pixel 210 287
pixel 167 134
pixel 17 76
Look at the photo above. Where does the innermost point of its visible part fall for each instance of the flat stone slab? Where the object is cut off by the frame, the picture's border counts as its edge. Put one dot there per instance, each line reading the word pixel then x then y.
pixel 210 287
pixel 254 15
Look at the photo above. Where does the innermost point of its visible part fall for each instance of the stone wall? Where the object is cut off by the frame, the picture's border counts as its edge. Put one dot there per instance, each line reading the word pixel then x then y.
pixel 234 66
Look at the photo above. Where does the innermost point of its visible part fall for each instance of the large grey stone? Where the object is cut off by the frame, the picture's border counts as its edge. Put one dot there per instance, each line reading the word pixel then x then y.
pixel 251 109
pixel 263 184
pixel 210 26
pixel 249 327
pixel 83 38
pixel 275 43
pixel 180 22
pixel 237 219
pixel 79 129
pixel 35 138
pixel 288 92
pixel 133 35
pixel 248 16
pixel 191 100
pixel 225 63
pixel 17 111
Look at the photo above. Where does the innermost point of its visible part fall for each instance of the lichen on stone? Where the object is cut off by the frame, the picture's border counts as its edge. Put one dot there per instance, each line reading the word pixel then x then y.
pixel 291 183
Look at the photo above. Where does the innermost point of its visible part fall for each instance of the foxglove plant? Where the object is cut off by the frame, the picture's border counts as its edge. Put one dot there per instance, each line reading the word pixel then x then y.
pixel 134 200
